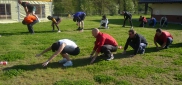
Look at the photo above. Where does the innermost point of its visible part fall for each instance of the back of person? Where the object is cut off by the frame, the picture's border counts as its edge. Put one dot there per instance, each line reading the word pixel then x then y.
pixel 109 40
pixel 164 35
pixel 127 14
pixel 78 14
pixel 136 38
pixel 29 19
pixel 28 5
pixel 68 42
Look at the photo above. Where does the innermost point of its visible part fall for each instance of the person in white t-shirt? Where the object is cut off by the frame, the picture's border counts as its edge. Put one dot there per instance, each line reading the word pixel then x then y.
pixel 104 22
pixel 63 47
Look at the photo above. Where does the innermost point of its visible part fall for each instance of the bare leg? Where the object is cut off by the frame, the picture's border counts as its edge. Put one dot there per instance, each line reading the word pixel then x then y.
pixel 66 56
pixel 82 24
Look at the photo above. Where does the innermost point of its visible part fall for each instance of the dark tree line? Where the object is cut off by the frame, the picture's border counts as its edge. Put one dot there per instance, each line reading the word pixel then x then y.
pixel 98 7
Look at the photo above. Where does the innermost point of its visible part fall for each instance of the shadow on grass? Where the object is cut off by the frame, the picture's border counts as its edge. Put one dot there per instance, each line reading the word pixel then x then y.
pixel 136 23
pixel 177 45
pixel 23 33
pixel 82 61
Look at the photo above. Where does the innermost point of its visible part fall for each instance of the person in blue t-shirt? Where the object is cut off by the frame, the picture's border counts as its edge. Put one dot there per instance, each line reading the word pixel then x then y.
pixel 152 22
pixel 79 18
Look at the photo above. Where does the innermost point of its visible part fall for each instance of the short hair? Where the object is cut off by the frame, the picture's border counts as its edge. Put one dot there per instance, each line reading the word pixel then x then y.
pixel 23 22
pixel 132 31
pixel 74 19
pixel 104 16
pixel 49 18
pixel 55 46
pixel 159 30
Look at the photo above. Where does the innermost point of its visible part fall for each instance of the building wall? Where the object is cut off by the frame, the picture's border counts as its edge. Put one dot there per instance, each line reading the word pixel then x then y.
pixel 171 10
pixel 17 11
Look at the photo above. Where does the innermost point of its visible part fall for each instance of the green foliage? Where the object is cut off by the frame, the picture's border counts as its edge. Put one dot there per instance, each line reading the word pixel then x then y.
pixel 95 7
pixel 70 82
pixel 104 79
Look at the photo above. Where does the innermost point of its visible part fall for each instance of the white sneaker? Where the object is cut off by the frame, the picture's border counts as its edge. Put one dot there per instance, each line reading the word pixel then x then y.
pixel 68 63
pixel 111 58
pixel 64 60
pixel 59 31
pixel 131 27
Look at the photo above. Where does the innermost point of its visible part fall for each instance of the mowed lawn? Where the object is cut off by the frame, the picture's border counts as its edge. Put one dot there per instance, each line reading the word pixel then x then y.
pixel 19 48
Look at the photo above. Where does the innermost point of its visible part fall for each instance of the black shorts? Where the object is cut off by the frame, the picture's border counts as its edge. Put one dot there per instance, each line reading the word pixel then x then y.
pixel 58 19
pixel 71 50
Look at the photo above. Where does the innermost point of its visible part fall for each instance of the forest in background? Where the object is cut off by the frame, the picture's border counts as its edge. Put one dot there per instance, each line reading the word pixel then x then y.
pixel 99 7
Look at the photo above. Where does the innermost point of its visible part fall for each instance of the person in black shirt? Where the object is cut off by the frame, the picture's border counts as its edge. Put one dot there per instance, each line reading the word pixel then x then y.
pixel 137 42
pixel 29 9
pixel 127 16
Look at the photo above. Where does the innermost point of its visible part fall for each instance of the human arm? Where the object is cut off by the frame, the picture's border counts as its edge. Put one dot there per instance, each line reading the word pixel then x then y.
pixel 55 54
pixel 47 49
pixel 126 46
pixel 26 10
pixel 94 57
pixel 98 44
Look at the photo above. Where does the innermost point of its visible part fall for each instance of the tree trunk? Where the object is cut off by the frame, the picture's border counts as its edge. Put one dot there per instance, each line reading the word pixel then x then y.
pixel 146 8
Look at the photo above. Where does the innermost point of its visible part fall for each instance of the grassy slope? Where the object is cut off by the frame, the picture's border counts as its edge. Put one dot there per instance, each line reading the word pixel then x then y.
pixel 19 49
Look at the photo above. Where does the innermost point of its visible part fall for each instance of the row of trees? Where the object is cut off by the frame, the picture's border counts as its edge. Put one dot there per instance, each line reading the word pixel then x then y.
pixel 98 7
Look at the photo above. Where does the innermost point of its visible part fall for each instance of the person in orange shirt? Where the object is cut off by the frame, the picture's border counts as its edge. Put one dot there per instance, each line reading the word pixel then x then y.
pixel 55 21
pixel 30 20
pixel 143 21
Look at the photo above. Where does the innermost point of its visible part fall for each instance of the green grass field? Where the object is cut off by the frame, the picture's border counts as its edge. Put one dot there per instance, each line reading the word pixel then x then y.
pixel 19 48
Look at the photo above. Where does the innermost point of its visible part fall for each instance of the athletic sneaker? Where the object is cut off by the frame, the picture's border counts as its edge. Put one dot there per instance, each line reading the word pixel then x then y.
pixel 68 63
pixel 131 27
pixel 59 31
pixel 143 51
pixel 111 58
pixel 78 28
pixel 63 60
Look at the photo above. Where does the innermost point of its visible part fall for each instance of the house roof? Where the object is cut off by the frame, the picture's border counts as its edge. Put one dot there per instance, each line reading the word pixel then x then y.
pixel 159 1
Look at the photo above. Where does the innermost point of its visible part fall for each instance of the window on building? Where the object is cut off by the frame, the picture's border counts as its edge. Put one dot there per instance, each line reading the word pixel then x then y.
pixel 5 11
pixel 40 10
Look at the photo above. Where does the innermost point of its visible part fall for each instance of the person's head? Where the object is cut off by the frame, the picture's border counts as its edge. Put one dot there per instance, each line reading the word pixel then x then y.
pixel 158 31
pixel 24 23
pixel 140 16
pixel 104 17
pixel 131 33
pixel 95 32
pixel 49 18
pixel 19 1
pixel 55 46
pixel 123 12
pixel 74 19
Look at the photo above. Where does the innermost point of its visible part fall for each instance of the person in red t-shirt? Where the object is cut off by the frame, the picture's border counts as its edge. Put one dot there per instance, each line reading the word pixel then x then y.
pixel 143 21
pixel 163 38
pixel 104 43
pixel 30 20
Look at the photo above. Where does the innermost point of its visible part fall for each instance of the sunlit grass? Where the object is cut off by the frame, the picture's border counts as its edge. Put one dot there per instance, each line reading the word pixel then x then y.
pixel 19 48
